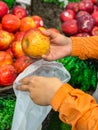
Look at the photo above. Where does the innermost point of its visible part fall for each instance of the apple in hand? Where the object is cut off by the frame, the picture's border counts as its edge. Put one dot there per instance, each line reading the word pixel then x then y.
pixel 16 49
pixel 4 9
pixel 7 75
pixel 19 11
pixel 38 20
pixel 5 58
pixel 35 44
pixel 5 40
pixel 23 62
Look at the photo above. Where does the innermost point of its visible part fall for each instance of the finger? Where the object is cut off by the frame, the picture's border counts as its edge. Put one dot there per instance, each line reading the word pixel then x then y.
pixel 23 87
pixel 47 58
pixel 25 81
pixel 49 33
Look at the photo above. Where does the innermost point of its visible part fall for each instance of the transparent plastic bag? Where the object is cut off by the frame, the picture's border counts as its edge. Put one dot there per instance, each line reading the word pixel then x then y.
pixel 28 115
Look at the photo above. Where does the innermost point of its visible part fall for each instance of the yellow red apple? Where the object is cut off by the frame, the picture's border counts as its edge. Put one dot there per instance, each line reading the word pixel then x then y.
pixel 35 44
pixel 5 40
pixel 41 28
pixel 16 49
pixel 5 58
pixel 9 51
pixel 7 75
pixel 38 20
pixel 19 35
pixel 23 62
pixel 27 23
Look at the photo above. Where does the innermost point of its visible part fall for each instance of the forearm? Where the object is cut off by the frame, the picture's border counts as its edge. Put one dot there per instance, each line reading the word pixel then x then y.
pixel 85 47
pixel 76 108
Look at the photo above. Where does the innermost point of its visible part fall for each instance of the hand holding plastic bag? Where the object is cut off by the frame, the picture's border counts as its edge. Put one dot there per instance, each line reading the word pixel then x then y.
pixel 28 115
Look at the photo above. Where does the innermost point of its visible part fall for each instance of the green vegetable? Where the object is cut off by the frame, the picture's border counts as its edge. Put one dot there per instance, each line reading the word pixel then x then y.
pixel 7 106
pixel 10 3
pixel 83 73
pixel 57 2
pixel 56 124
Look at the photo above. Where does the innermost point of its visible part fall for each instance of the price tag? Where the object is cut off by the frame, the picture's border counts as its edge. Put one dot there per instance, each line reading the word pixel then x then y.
pixel 28 2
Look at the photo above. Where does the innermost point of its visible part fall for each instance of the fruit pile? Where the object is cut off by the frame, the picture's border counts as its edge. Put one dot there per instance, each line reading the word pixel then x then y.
pixel 14 25
pixel 80 19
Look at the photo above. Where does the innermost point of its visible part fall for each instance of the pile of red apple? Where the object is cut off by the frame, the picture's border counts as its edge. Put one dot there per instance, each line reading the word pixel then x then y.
pixel 80 19
pixel 13 26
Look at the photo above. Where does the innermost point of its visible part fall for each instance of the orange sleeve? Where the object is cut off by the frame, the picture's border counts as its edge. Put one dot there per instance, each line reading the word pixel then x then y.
pixel 76 108
pixel 85 47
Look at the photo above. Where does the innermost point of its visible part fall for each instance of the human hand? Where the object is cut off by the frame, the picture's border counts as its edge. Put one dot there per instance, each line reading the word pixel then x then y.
pixel 61 46
pixel 41 89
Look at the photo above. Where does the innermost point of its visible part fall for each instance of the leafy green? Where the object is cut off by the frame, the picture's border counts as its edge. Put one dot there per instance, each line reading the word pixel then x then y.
pixel 7 106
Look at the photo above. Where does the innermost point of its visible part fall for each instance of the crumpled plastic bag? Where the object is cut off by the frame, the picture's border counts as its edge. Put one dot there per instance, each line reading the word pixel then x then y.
pixel 28 2
pixel 27 114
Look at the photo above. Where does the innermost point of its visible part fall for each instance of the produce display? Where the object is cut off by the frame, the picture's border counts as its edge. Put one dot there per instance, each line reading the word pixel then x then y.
pixel 80 19
pixel 14 41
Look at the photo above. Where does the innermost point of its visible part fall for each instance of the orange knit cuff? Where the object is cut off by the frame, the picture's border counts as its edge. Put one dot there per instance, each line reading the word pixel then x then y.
pixel 60 95
pixel 76 46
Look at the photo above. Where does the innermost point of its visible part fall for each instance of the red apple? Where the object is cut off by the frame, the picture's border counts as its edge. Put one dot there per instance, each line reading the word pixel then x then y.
pixel 5 58
pixel 81 13
pixel 7 75
pixel 5 40
pixel 16 48
pixel 73 6
pixel 86 5
pixel 19 11
pixel 4 9
pixel 19 36
pixel 23 62
pixel 67 15
pixel 85 23
pixel 70 27
pixel 94 31
pixel 94 1
pixel 9 51
pixel 10 23
pixel 95 16
pixel 0 26
pixel 83 35
pixel 38 20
